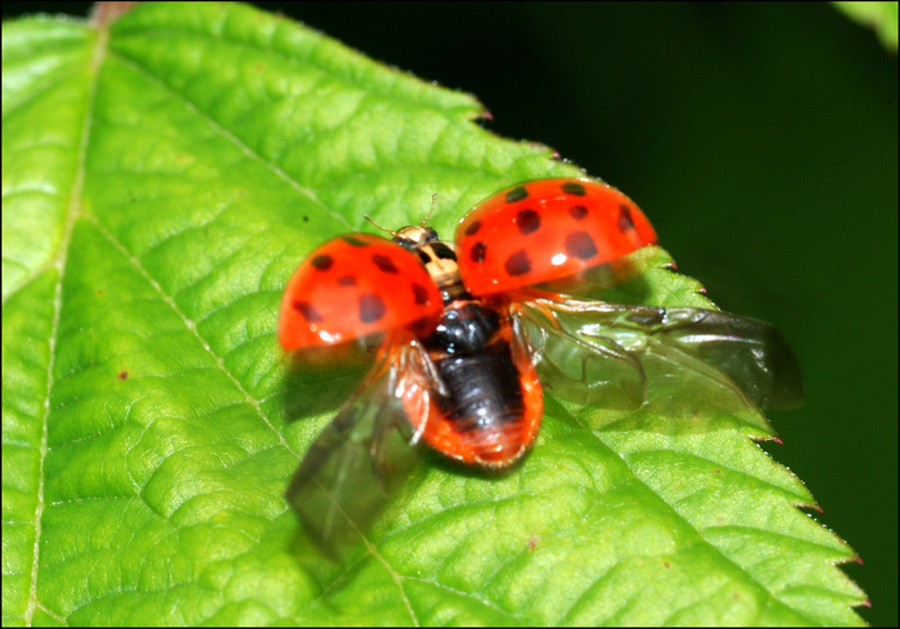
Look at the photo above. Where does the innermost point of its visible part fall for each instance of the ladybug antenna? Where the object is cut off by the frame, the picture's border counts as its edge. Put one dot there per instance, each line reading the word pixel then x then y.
pixel 431 211
pixel 379 227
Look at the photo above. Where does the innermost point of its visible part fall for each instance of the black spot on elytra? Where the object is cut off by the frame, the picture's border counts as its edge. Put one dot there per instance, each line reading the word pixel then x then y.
pixel 346 280
pixel 578 212
pixel 420 293
pixel 442 251
pixel 385 264
pixel 322 262
pixel 371 308
pixel 308 311
pixel 625 222
pixel 516 194
pixel 355 242
pixel 573 187
pixel 518 263
pixel 479 250
pixel 580 245
pixel 528 221
pixel 473 228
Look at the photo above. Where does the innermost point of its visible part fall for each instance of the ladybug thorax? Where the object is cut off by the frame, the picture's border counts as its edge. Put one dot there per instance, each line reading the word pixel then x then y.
pixel 438 258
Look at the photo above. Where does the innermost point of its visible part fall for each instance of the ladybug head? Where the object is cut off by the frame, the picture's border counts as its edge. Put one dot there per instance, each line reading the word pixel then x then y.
pixel 414 236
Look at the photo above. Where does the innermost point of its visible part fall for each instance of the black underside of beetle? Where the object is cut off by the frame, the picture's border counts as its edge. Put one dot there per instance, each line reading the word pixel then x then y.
pixel 477 368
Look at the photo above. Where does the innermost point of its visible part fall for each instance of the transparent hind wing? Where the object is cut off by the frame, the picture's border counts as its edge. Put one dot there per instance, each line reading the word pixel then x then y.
pixel 355 464
pixel 582 368
pixel 728 361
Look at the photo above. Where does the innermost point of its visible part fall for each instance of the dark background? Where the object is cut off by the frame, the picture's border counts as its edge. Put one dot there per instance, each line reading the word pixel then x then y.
pixel 762 141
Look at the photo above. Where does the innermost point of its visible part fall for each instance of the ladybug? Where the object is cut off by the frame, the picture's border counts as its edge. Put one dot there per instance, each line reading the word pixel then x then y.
pixel 470 333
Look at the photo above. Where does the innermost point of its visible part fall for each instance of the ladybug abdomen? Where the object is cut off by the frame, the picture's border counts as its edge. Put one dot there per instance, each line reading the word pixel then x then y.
pixel 484 391
pixel 489 405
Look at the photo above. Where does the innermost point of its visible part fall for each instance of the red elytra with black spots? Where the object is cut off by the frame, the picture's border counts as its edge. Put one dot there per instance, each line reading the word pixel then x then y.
pixel 351 287
pixel 465 332
pixel 532 233
pixel 546 230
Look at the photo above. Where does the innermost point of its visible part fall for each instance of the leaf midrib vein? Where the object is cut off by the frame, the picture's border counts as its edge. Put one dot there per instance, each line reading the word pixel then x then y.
pixel 60 263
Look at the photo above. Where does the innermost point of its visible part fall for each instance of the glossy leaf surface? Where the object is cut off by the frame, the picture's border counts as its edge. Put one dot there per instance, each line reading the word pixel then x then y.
pixel 163 176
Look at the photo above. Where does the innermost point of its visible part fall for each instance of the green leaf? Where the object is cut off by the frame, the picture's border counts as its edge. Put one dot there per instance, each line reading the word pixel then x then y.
pixel 162 177
pixel 879 16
